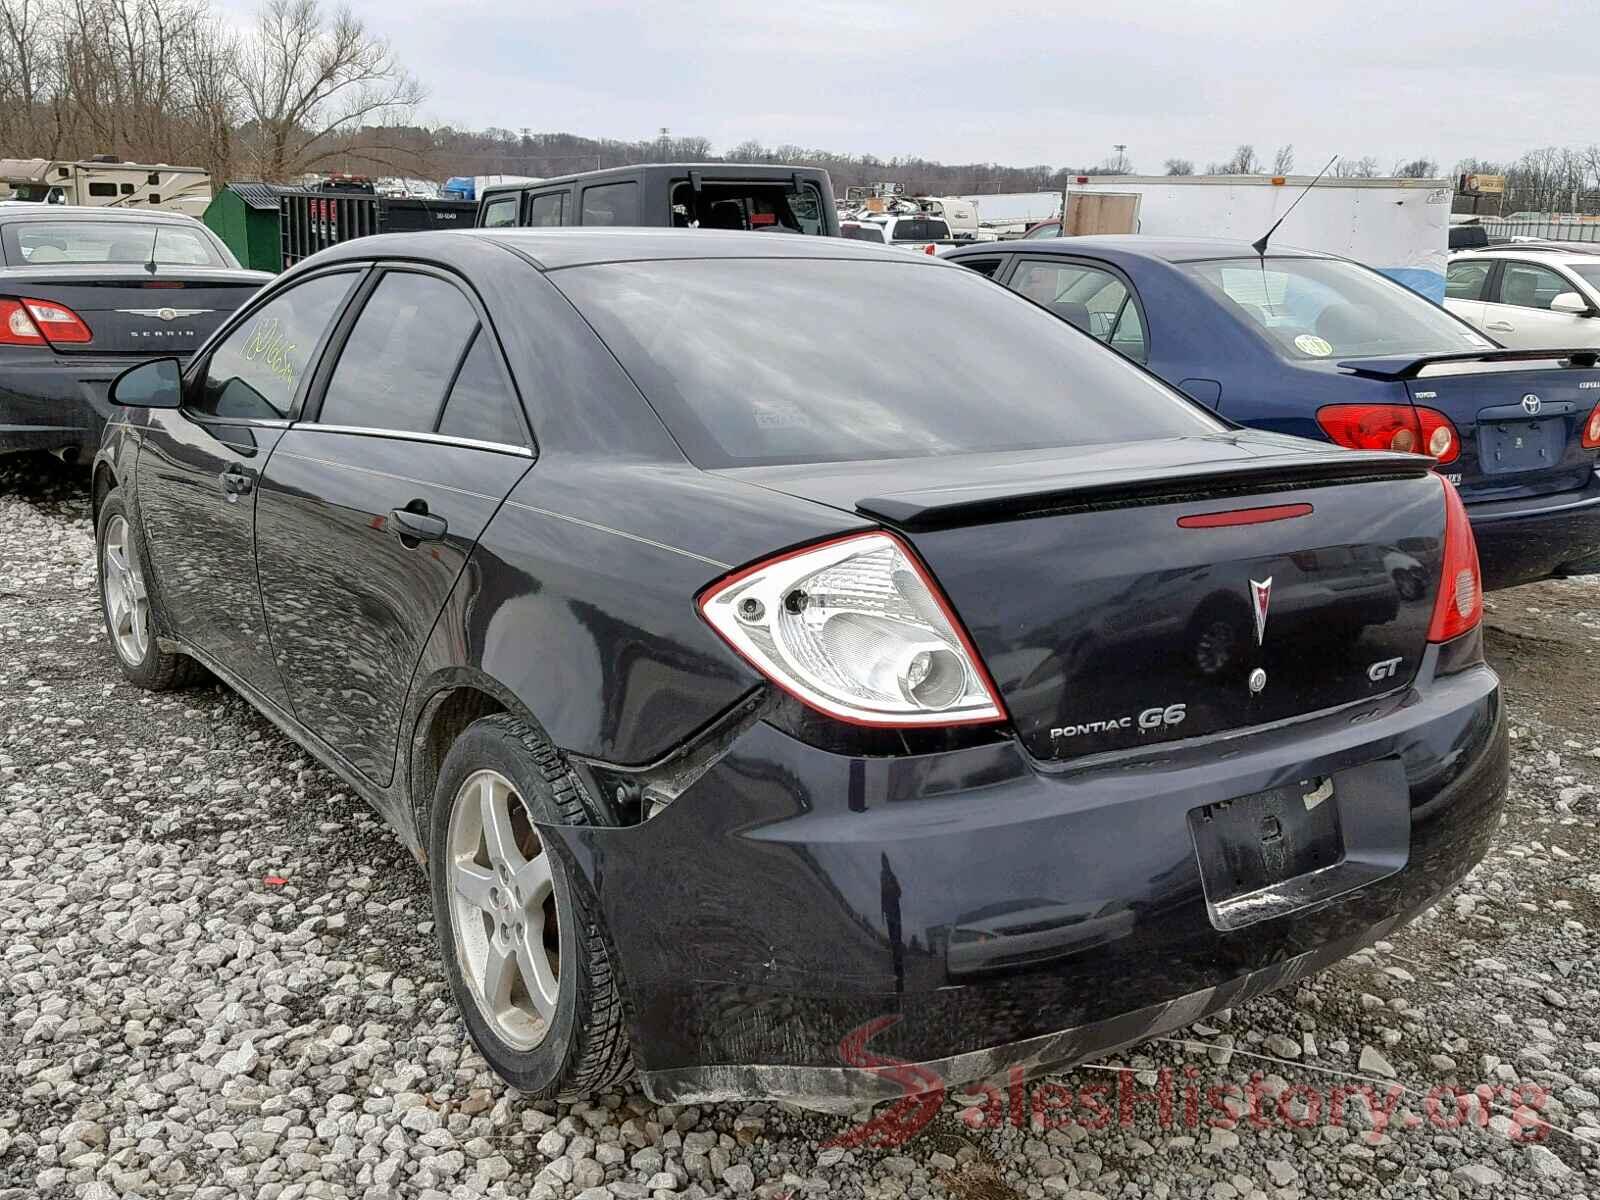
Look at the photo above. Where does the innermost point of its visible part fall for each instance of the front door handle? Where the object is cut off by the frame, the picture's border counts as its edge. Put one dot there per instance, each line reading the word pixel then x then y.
pixel 1501 327
pixel 236 483
pixel 414 527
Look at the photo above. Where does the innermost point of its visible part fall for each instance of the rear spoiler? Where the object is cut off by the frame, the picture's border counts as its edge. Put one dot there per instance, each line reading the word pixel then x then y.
pixel 1403 367
pixel 933 507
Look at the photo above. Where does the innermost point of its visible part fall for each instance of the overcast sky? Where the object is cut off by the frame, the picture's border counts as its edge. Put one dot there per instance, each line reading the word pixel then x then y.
pixel 1016 84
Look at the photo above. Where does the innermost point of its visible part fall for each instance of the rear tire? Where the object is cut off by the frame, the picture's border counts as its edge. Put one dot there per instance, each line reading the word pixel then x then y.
pixel 524 949
pixel 131 615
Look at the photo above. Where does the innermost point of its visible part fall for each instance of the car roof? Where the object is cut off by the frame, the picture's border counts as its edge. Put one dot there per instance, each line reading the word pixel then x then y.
pixel 13 210
pixel 1531 251
pixel 710 172
pixel 553 249
pixel 1141 245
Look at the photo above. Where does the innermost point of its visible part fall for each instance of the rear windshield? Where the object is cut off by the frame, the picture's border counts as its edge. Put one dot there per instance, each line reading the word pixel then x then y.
pixel 863 233
pixel 759 207
pixel 39 243
pixel 1311 308
pixel 755 361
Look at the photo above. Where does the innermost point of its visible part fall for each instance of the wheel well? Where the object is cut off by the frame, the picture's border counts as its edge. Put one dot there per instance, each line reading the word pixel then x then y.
pixel 104 481
pixel 444 719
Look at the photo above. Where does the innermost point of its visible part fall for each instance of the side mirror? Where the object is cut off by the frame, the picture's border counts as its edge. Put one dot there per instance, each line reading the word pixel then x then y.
pixel 1570 302
pixel 154 384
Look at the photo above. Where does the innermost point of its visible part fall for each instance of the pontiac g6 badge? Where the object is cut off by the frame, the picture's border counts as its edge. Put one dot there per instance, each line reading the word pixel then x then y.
pixel 1260 598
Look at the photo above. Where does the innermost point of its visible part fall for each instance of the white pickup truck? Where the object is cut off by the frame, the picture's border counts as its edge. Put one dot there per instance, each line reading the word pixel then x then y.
pixel 918 233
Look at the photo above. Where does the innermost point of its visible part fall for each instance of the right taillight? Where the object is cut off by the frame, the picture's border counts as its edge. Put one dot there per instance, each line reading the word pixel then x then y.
pixel 1591 430
pixel 1401 427
pixel 1459 605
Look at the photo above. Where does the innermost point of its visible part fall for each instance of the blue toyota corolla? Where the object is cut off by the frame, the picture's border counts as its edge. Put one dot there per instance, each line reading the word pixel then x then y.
pixel 1319 346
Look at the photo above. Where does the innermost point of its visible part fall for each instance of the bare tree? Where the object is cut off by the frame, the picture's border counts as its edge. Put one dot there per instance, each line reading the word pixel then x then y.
pixel 1178 166
pixel 1283 160
pixel 309 83
pixel 1356 168
pixel 1243 162
pixel 748 151
pixel 1416 168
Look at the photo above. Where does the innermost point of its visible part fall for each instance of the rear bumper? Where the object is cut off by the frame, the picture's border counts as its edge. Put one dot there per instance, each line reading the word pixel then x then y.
pixel 791 897
pixel 1521 541
pixel 52 402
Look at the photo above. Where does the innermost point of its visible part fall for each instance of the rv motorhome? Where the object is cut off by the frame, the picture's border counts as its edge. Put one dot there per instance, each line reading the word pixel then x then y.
pixel 103 180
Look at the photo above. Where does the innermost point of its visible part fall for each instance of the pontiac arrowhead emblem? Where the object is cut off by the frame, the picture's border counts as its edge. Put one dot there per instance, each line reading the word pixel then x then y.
pixel 1260 598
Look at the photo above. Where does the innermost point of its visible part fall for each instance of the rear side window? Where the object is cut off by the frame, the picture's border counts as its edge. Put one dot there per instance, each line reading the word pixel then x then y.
pixel 1465 280
pixel 748 365
pixel 481 404
pixel 983 266
pixel 400 356
pixel 1095 301
pixel 255 370
pixel 611 204
pixel 500 212
pixel 547 210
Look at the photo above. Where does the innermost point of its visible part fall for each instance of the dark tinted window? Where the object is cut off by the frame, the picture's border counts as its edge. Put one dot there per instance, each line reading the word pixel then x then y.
pixel 611 204
pixel 761 207
pixel 400 356
pixel 863 233
pixel 102 189
pixel 983 266
pixel 481 404
pixel 546 210
pixel 751 361
pixel 500 212
pixel 255 370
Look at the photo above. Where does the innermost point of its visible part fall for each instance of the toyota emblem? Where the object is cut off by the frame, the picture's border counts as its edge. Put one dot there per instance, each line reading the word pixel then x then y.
pixel 1531 404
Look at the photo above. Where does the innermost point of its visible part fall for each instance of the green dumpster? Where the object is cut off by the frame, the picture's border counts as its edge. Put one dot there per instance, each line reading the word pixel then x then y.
pixel 245 216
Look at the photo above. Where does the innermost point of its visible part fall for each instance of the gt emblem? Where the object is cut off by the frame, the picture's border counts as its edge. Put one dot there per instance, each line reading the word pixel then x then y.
pixel 1531 404
pixel 1260 598
pixel 1383 669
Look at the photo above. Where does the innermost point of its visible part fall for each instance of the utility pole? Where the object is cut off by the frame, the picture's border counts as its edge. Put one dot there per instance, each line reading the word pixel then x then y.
pixel 1122 161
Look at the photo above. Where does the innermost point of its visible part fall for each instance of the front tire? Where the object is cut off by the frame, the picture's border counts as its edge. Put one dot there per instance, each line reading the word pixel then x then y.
pixel 524 949
pixel 128 608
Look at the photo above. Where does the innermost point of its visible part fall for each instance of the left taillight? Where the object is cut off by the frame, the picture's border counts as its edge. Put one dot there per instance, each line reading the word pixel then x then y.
pixel 25 322
pixel 1404 427
pixel 855 628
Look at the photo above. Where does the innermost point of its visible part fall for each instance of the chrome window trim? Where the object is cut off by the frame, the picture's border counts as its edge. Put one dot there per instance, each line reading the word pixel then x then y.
pixel 407 435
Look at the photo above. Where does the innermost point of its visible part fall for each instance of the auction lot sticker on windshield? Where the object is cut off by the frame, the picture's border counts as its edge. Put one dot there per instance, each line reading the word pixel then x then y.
pixel 780 414
pixel 1310 343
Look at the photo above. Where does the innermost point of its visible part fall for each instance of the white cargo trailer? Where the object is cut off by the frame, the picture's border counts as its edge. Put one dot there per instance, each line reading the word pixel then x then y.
pixel 1399 226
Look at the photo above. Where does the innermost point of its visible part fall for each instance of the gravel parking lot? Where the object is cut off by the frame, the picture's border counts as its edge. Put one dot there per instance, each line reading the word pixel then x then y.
pixel 220 980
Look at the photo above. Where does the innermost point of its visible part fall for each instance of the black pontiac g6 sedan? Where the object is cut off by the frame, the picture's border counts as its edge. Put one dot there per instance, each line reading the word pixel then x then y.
pixel 749 664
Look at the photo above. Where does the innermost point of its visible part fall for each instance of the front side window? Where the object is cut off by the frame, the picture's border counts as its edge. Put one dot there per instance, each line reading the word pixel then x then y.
pixel 500 213
pixel 114 243
pixel 1465 280
pixel 1323 308
pixel 1528 285
pixel 400 356
pixel 255 371
pixel 748 365
pixel 611 204
pixel 1092 299
pixel 546 210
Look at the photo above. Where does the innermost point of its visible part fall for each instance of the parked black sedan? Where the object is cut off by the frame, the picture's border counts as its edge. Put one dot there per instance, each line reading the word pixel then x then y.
pixel 86 291
pixel 745 670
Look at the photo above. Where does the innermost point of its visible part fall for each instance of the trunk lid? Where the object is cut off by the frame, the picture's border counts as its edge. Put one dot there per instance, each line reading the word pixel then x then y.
pixel 1108 625
pixel 1520 417
pixel 129 310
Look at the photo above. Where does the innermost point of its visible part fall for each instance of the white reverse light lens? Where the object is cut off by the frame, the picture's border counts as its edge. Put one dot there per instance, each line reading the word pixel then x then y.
pixel 853 628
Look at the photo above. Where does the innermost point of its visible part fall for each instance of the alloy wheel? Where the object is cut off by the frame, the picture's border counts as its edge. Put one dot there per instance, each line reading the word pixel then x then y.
pixel 503 910
pixel 127 601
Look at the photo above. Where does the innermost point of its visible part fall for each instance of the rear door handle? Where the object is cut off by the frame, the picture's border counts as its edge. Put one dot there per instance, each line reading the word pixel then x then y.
pixel 236 483
pixel 1501 327
pixel 414 527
